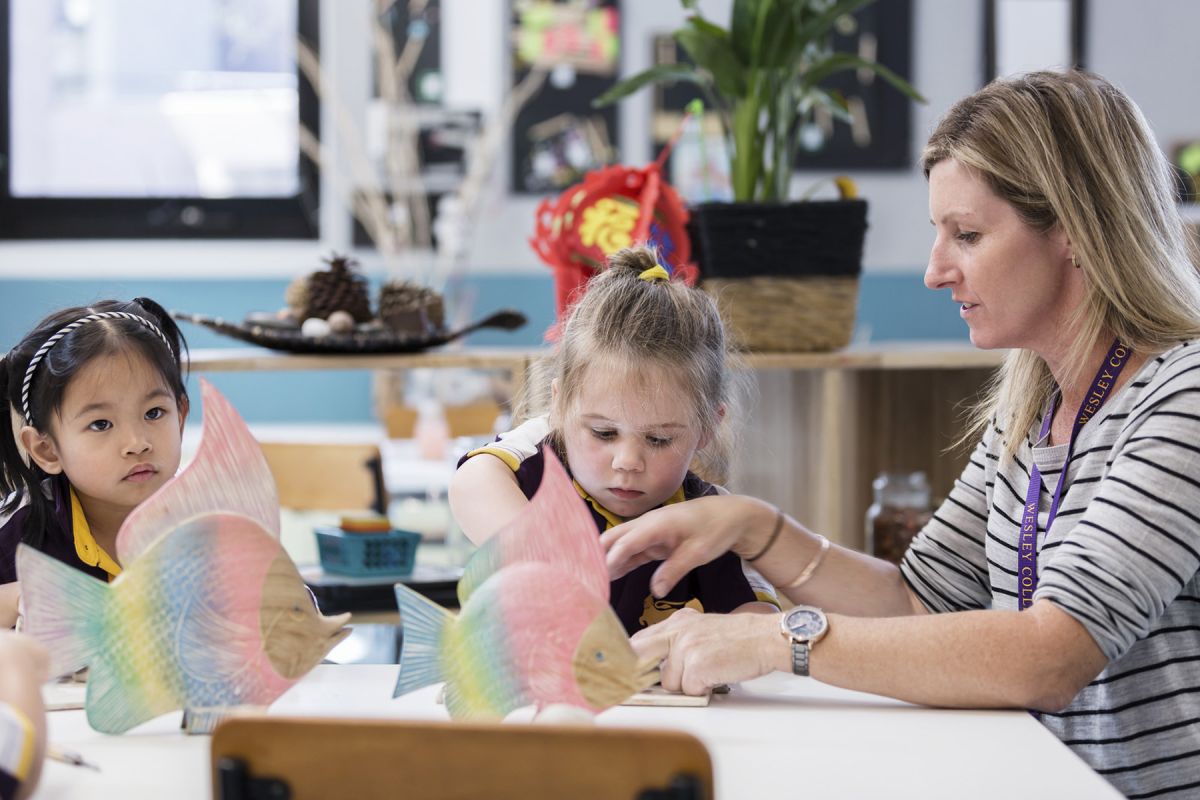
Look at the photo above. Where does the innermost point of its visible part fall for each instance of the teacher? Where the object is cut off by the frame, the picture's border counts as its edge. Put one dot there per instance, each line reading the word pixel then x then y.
pixel 1060 575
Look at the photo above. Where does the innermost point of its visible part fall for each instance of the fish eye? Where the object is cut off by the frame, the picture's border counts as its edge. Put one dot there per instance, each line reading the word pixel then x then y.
pixel 599 656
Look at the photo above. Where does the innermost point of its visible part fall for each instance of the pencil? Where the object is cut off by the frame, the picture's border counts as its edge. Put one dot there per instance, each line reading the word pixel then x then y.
pixel 68 757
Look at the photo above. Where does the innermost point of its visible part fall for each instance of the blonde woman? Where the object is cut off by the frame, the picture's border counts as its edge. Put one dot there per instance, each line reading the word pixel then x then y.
pixel 1071 593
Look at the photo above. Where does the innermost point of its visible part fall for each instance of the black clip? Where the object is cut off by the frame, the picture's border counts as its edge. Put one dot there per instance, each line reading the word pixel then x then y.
pixel 234 782
pixel 681 787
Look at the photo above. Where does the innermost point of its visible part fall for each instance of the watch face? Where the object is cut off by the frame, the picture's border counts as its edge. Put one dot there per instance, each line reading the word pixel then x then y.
pixel 805 622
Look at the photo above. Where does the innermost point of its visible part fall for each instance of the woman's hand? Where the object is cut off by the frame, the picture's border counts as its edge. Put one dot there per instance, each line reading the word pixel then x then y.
pixel 685 536
pixel 699 651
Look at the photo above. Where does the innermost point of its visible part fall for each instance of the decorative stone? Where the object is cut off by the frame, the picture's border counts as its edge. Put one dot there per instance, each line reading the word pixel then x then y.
pixel 341 322
pixel 315 328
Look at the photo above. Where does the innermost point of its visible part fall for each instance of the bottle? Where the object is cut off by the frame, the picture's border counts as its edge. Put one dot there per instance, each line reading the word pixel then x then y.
pixel 898 513
pixel 431 431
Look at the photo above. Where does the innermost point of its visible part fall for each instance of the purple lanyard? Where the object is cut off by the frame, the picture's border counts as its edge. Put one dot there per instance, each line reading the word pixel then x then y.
pixel 1027 570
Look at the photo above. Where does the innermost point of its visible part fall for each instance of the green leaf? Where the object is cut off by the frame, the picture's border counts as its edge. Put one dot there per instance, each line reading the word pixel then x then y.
pixel 820 27
pixel 840 62
pixel 663 73
pixel 747 166
pixel 746 29
pixel 710 48
pixel 834 103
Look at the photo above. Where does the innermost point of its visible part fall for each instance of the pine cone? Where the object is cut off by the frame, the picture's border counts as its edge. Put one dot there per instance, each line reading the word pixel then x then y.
pixel 408 308
pixel 296 294
pixel 338 288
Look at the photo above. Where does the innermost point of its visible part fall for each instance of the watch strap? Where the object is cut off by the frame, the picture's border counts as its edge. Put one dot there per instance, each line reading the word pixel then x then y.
pixel 800 651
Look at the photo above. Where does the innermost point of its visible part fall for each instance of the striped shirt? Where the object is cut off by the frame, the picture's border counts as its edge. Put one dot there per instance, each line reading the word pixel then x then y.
pixel 1121 558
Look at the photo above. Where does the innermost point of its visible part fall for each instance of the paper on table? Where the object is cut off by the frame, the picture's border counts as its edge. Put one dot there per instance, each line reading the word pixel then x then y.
pixel 656 695
pixel 63 695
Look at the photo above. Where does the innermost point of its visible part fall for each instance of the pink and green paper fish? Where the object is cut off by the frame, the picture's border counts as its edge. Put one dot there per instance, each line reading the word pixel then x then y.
pixel 207 614
pixel 536 627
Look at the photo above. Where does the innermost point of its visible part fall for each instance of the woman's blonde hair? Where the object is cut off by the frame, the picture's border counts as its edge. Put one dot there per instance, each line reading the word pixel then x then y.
pixel 1072 150
pixel 647 330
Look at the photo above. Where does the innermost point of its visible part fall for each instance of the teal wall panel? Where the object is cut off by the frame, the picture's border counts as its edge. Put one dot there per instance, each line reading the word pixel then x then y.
pixel 891 307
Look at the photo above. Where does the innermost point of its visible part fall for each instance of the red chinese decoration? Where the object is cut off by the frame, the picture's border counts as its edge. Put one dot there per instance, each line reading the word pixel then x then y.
pixel 613 208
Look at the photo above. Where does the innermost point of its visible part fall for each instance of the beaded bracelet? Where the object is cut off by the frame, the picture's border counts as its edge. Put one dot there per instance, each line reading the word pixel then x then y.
pixel 808 570
pixel 770 540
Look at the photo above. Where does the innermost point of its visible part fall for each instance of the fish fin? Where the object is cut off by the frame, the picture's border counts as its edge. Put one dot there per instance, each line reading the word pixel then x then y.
pixel 424 623
pixel 459 706
pixel 211 648
pixel 205 720
pixel 62 609
pixel 114 708
pixel 485 562
pixel 229 473
pixel 556 528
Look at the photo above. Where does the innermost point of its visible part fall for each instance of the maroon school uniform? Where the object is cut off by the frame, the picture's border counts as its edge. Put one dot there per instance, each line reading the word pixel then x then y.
pixel 719 586
pixel 59 539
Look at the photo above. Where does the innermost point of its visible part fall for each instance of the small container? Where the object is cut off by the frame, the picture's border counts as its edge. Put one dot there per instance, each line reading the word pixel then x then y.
pixel 367 554
pixel 899 512
pixel 431 431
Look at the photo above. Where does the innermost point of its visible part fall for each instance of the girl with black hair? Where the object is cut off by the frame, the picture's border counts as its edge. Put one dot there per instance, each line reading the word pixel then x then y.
pixel 99 401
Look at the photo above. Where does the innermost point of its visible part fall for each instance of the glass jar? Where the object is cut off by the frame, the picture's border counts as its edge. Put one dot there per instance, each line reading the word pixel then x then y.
pixel 898 513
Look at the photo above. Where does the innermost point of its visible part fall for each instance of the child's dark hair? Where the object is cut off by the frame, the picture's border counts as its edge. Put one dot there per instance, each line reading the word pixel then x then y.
pixel 657 327
pixel 53 373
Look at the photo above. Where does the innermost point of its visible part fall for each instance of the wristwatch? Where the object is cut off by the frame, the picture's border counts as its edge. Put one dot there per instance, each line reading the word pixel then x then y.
pixel 804 626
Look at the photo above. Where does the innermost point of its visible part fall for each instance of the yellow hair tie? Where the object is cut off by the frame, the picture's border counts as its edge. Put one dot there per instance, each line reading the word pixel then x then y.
pixel 655 273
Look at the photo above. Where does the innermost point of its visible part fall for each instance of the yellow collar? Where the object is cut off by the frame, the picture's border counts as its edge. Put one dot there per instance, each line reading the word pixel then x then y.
pixel 86 548
pixel 611 518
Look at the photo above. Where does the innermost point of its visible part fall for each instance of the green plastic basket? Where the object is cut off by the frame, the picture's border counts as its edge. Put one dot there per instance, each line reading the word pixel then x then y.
pixel 367 554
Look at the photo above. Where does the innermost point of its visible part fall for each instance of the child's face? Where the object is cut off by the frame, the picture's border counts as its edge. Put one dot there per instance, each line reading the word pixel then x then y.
pixel 629 441
pixel 117 436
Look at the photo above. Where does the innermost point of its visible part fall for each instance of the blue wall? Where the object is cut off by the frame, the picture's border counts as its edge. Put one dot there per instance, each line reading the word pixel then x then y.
pixel 891 307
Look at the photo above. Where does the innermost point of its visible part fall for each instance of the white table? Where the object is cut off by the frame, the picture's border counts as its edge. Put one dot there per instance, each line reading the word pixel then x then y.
pixel 761 737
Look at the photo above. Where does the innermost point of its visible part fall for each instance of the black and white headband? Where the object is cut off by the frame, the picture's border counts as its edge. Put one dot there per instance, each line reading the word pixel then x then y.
pixel 58 336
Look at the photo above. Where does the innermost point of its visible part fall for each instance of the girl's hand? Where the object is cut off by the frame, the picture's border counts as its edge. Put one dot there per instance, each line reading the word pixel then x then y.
pixel 699 651
pixel 685 536
pixel 22 655
pixel 10 600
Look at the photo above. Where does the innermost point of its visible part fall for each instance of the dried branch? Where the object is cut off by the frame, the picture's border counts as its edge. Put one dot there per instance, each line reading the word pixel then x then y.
pixel 401 153
pixel 370 206
pixel 482 159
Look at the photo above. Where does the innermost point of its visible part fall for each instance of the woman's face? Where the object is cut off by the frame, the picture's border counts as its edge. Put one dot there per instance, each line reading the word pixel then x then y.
pixel 1015 286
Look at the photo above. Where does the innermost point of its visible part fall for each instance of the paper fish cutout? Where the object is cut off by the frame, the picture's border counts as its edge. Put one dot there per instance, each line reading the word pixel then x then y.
pixel 211 613
pixel 535 627
pixel 229 473
pixel 559 533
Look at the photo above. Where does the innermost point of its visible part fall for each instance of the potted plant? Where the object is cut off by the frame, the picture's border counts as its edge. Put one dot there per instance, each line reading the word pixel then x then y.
pixel 770 260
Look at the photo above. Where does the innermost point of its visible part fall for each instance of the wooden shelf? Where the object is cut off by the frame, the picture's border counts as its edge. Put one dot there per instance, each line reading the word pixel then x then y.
pixel 259 359
pixel 889 356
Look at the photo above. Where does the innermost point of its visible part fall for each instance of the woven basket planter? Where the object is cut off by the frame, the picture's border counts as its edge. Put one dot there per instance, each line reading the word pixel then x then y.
pixel 785 275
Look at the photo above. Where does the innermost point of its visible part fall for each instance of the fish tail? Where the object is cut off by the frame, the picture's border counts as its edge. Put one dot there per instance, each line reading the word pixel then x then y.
pixel 424 624
pixel 61 609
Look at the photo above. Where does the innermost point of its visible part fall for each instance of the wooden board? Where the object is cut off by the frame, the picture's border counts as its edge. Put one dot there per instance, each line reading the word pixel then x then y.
pixel 324 476
pixel 322 758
